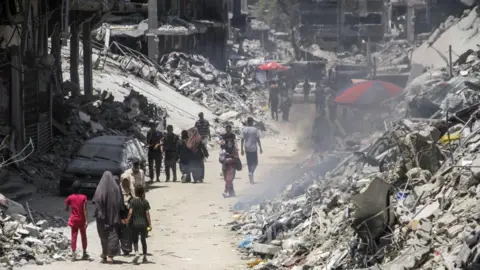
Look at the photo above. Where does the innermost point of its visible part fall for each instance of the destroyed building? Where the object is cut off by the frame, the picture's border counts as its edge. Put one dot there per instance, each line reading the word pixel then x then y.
pixel 188 26
pixel 30 73
pixel 343 21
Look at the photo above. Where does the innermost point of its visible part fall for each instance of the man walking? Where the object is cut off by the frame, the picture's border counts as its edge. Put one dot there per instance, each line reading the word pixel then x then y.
pixel 154 142
pixel 135 175
pixel 250 139
pixel 319 98
pixel 273 100
pixel 203 127
pixel 170 148
pixel 229 139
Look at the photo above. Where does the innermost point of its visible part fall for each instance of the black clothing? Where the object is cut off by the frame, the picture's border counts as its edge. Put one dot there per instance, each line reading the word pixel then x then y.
pixel 185 155
pixel 142 232
pixel 230 142
pixel 203 127
pixel 154 157
pixel 274 111
pixel 197 163
pixel 154 138
pixel 319 100
pixel 170 148
pixel 273 100
pixel 139 209
pixel 252 161
pixel 287 104
pixel 170 143
pixel 183 152
pixel 171 164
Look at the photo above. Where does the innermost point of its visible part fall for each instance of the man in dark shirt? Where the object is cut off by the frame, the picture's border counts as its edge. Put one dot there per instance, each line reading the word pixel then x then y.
pixel 170 148
pixel 230 140
pixel 203 127
pixel 155 144
pixel 273 100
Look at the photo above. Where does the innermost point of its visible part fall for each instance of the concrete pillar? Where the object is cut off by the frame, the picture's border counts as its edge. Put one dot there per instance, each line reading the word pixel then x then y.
pixel 74 55
pixel 410 18
pixel 56 51
pixel 16 107
pixel 237 8
pixel 152 40
pixel 87 60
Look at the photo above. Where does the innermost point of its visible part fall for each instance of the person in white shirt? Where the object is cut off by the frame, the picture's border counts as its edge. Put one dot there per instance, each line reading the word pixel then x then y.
pixel 250 140
pixel 135 174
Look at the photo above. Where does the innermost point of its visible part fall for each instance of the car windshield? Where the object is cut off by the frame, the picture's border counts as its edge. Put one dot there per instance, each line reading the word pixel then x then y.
pixel 105 152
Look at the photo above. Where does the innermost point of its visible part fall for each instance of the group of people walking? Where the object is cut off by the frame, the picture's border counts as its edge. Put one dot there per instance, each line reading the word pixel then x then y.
pixel 189 150
pixel 122 211
pixel 122 216
pixel 279 99
pixel 229 158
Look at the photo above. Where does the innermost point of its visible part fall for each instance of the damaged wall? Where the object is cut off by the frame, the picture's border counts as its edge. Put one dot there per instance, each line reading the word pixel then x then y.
pixel 343 21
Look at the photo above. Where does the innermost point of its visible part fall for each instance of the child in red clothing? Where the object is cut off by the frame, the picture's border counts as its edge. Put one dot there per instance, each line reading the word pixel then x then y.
pixel 78 218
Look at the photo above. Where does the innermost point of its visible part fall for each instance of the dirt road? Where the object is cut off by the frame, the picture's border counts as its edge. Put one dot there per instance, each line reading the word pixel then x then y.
pixel 188 219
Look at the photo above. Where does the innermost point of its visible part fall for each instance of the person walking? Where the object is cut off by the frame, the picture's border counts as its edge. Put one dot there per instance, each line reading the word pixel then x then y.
pixel 250 140
pixel 199 153
pixel 228 161
pixel 135 175
pixel 229 139
pixel 77 203
pixel 306 90
pixel 108 201
pixel 184 155
pixel 286 105
pixel 319 98
pixel 155 156
pixel 273 100
pixel 139 221
pixel 203 127
pixel 125 232
pixel 170 148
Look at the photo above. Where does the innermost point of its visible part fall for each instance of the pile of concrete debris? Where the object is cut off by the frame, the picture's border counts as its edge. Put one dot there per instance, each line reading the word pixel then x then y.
pixel 79 121
pixel 195 77
pixel 23 242
pixel 408 201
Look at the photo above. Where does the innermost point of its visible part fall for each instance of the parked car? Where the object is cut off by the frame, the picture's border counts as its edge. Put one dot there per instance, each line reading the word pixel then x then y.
pixel 100 154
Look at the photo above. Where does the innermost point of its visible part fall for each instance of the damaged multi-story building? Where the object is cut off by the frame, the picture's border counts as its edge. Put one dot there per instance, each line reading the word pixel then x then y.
pixel 31 35
pixel 188 26
pixel 342 21
pixel 345 22
pixel 159 27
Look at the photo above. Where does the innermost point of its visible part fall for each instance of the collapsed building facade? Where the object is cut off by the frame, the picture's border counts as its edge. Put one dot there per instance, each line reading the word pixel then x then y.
pixel 30 69
pixel 188 26
pixel 342 21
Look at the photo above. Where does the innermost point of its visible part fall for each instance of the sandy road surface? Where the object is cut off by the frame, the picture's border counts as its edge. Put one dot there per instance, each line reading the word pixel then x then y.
pixel 188 219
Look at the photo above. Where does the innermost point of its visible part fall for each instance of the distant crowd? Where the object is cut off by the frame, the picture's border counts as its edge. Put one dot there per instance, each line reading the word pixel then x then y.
pixel 122 211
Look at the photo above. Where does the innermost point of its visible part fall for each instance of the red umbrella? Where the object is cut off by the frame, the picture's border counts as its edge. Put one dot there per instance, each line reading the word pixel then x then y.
pixel 272 66
pixel 368 93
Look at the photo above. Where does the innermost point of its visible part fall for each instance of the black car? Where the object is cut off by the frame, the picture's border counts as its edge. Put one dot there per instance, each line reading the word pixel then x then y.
pixel 100 154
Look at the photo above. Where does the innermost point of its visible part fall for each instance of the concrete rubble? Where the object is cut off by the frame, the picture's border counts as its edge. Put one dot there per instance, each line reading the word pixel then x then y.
pixel 227 96
pixel 408 199
pixel 23 242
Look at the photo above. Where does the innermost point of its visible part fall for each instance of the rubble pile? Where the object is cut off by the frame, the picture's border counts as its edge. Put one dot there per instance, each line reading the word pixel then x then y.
pixel 195 77
pixel 23 242
pixel 80 121
pixel 409 200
